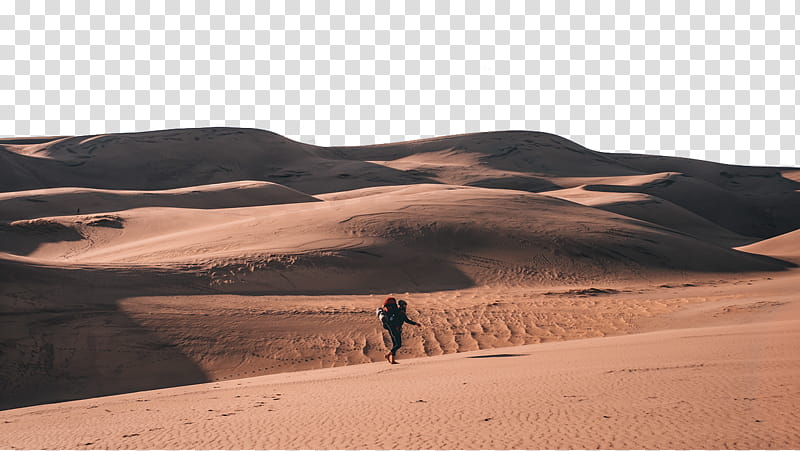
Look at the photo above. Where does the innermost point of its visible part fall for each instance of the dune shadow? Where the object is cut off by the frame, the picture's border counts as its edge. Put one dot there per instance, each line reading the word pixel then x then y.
pixel 359 271
pixel 494 356
pixel 303 167
pixel 84 352
pixel 767 263
pixel 24 237
pixel 758 201
pixel 63 337
pixel 520 183
pixel 29 140
pixel 336 175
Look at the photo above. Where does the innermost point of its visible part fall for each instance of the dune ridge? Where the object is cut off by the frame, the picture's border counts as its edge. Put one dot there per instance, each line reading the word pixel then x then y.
pixel 48 202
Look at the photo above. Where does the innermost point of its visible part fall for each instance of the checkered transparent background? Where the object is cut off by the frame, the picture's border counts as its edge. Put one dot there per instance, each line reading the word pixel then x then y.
pixel 710 80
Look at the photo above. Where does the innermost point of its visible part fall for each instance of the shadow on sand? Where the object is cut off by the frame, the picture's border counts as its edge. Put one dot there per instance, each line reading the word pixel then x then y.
pixel 493 356
pixel 63 337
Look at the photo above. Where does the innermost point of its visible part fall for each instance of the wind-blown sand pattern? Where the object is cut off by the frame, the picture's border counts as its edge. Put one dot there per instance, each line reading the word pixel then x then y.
pixel 569 298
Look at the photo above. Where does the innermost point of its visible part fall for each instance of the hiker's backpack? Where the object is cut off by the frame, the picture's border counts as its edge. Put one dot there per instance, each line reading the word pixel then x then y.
pixel 389 314
pixel 392 316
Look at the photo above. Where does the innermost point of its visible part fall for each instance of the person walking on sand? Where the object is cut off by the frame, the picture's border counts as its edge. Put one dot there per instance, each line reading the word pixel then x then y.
pixel 393 316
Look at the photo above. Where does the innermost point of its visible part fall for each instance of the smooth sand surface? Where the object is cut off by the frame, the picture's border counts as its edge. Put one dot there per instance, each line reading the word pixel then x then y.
pixel 786 246
pixel 613 301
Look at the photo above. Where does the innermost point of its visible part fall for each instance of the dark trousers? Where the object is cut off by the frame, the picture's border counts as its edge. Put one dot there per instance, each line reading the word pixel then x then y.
pixel 397 338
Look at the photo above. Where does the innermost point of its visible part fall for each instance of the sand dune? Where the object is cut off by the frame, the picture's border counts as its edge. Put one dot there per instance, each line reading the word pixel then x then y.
pixel 653 209
pixel 220 254
pixel 757 202
pixel 786 246
pixel 522 160
pixel 75 201
pixel 770 194
pixel 183 158
pixel 491 236
pixel 726 208
pixel 518 151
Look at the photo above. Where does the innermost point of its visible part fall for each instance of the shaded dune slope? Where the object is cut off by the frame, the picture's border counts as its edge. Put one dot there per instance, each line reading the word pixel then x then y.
pixel 64 336
pixel 152 160
pixel 631 196
pixel 716 204
pixel 513 151
pixel 71 201
pixel 748 201
pixel 769 197
pixel 182 158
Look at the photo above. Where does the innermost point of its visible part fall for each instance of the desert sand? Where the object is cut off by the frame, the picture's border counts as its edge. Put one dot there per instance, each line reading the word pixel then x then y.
pixel 215 288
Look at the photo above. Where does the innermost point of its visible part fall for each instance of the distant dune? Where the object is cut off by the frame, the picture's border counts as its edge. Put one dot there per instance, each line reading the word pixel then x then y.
pixel 786 246
pixel 653 209
pixel 732 197
pixel 33 204
pixel 137 261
